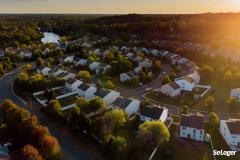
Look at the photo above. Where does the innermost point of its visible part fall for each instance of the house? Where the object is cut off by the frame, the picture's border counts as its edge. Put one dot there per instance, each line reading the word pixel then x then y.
pixel 138 59
pixel 170 89
pixel 153 113
pixel 25 54
pixel 195 76
pixel 66 75
pixel 125 77
pixel 236 93
pixel 129 105
pixel 69 59
pixel 174 60
pixel 55 72
pixel 230 130
pixel 93 66
pixel 154 52
pixel 185 83
pixel 147 63
pixel 81 62
pixel 73 84
pixel 182 61
pixel 86 45
pixel 130 55
pixel 45 51
pixel 86 90
pixel 108 96
pixel 103 68
pixel 43 70
pixel 1 53
pixel 128 76
pixel 192 126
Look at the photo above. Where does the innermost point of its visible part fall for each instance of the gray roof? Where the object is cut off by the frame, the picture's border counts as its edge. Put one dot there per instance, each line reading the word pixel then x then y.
pixel 84 86
pixel 193 121
pixel 62 74
pixel 234 126
pixel 122 102
pixel 102 92
pixel 71 81
pixel 152 112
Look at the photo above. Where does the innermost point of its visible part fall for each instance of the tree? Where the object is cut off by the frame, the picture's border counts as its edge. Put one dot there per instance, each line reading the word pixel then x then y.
pixel 73 117
pixel 109 85
pixel 184 109
pixel 50 94
pixel 227 76
pixel 81 101
pixel 54 108
pixel 153 132
pixel 50 148
pixel 115 118
pixel 213 119
pixel 109 57
pixel 166 80
pixel 28 152
pixel 232 102
pixel 117 146
pixel 210 101
pixel 39 62
pixel 157 67
pixel 85 75
pixel 38 134
pixel 206 72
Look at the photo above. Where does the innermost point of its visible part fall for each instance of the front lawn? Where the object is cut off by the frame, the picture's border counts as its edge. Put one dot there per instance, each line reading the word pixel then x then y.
pixel 183 149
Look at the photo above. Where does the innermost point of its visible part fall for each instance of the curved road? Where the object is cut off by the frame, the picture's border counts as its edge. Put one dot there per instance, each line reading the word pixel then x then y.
pixel 71 150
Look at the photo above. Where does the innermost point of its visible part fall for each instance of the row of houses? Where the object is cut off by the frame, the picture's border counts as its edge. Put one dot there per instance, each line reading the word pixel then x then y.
pixel 97 67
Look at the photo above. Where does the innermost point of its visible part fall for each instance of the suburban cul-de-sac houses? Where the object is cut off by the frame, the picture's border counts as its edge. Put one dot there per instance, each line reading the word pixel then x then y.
pixel 55 72
pixel 192 126
pixel 195 76
pixel 185 83
pixel 80 61
pixel 153 113
pixel 73 84
pixel 86 90
pixel 129 105
pixel 230 130
pixel 236 93
pixel 43 70
pixel 66 75
pixel 128 76
pixel 147 63
pixel 108 96
pixel 69 59
pixel 170 89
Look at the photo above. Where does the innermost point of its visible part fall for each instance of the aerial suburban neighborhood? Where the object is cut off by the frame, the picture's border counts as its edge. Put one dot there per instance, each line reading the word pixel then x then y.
pixel 119 86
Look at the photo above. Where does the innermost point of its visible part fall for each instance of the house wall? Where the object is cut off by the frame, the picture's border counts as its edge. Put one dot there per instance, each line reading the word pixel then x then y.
pixel 133 108
pixel 231 139
pixel 188 132
pixel 164 115
pixel 88 93
pixel 111 97
pixel 124 77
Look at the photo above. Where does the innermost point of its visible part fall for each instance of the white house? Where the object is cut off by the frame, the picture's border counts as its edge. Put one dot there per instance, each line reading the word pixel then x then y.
pixel 25 54
pixel 81 62
pixel 73 84
pixel 195 76
pixel 153 113
pixel 192 126
pixel 129 105
pixel 125 77
pixel 103 68
pixel 147 63
pixel 170 89
pixel 154 52
pixel 236 93
pixel 108 96
pixel 230 130
pixel 93 66
pixel 43 70
pixel 182 61
pixel 69 59
pixel 86 90
pixel 185 83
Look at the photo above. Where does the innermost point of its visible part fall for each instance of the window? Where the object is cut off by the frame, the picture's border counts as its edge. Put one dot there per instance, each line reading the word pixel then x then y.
pixel 194 130
pixel 201 131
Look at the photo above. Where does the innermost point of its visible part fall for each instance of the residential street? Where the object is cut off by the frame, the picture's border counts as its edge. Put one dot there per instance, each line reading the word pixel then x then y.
pixel 70 148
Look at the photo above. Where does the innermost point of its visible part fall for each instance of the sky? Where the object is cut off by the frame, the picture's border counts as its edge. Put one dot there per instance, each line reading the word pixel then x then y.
pixel 119 6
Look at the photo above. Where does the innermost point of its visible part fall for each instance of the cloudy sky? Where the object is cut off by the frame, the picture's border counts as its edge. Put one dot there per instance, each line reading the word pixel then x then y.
pixel 118 6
